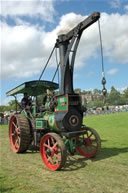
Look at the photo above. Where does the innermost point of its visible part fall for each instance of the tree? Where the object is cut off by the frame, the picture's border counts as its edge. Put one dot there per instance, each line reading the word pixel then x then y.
pixel 77 90
pixel 3 108
pixel 126 93
pixel 13 105
pixel 87 92
pixel 114 97
pixel 97 91
pixel 124 96
pixel 95 104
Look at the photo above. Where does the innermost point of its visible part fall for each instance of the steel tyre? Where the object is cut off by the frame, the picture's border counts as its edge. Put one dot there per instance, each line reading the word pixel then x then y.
pixel 90 143
pixel 19 133
pixel 53 151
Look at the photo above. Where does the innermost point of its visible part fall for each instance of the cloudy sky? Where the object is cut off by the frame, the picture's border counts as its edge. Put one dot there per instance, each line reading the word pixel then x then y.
pixel 29 30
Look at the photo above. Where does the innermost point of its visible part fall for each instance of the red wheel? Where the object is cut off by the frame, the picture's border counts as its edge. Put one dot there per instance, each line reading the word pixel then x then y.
pixel 53 151
pixel 89 144
pixel 19 133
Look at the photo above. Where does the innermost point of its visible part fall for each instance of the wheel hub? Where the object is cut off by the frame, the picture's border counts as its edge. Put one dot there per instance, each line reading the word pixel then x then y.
pixel 14 133
pixel 73 120
pixel 48 151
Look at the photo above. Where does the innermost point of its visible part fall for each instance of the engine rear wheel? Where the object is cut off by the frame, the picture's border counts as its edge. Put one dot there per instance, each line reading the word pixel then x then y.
pixel 89 144
pixel 19 133
pixel 53 151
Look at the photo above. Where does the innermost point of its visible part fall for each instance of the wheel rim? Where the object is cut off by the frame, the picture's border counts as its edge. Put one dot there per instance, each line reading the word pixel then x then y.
pixel 14 134
pixel 88 144
pixel 50 152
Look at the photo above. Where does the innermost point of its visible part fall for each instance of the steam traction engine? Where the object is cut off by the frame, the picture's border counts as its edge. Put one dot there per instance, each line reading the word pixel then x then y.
pixel 59 127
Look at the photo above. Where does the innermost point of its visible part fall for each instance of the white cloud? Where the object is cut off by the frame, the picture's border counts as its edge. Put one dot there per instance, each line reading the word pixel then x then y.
pixel 68 21
pixel 33 8
pixel 21 51
pixel 25 48
pixel 115 42
pixel 113 71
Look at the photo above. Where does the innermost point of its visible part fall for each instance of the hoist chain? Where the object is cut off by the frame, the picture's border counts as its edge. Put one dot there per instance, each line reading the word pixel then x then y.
pixel 104 90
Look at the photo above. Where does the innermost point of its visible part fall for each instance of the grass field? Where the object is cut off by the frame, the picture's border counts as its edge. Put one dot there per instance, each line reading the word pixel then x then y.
pixel 107 173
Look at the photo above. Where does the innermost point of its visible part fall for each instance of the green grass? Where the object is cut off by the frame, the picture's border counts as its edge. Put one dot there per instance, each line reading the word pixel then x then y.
pixel 106 173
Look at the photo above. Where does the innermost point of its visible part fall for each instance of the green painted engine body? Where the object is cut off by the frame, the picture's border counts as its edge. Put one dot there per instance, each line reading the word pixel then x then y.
pixel 67 114
pixel 47 119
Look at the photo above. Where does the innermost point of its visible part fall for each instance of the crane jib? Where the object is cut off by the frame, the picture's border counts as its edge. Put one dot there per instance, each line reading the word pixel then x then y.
pixel 82 26
pixel 68 44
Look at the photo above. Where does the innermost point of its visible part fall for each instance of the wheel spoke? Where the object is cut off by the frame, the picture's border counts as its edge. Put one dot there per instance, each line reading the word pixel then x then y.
pixel 87 134
pixel 55 145
pixel 90 144
pixel 48 142
pixel 45 145
pixel 16 128
pixel 57 161
pixel 59 157
pixel 14 124
pixel 53 151
pixel 50 160
pixel 19 133
pixel 90 135
pixel 52 141
pixel 16 143
pixel 86 147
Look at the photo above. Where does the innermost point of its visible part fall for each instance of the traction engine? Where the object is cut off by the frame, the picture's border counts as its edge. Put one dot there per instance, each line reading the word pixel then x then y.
pixel 58 128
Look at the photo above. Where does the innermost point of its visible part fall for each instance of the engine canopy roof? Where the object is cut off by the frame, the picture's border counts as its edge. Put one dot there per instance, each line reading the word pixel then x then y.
pixel 33 88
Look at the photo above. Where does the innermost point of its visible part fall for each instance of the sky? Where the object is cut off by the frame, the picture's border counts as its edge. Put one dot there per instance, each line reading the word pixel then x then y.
pixel 29 30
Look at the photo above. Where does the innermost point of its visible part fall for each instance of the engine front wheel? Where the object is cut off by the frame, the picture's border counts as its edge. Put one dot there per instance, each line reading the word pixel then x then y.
pixel 53 151
pixel 89 144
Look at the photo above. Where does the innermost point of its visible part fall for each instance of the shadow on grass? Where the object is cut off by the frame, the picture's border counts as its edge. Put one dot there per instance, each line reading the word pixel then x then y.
pixel 75 162
pixel 109 152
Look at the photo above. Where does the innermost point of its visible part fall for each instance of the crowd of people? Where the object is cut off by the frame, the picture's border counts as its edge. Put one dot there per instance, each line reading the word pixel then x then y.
pixel 107 110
